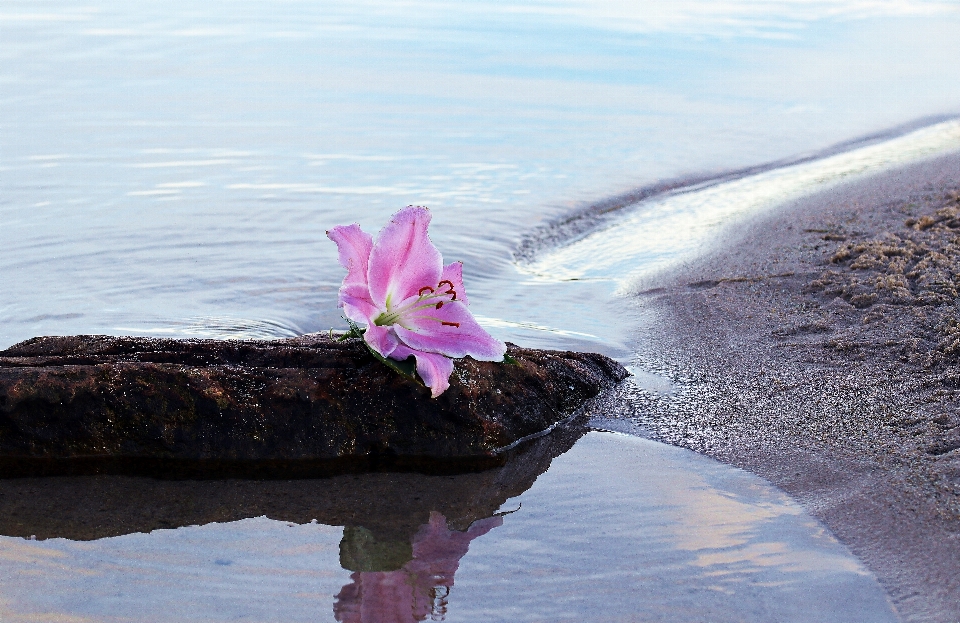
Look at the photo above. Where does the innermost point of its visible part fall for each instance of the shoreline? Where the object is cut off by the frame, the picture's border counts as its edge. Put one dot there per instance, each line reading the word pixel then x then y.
pixel 822 352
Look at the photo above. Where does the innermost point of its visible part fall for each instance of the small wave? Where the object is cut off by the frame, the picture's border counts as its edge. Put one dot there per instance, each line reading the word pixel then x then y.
pixel 530 326
pixel 223 328
pixel 622 241
pixel 595 215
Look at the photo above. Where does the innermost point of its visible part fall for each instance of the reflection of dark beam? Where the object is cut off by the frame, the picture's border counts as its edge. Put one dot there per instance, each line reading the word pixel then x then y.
pixel 285 408
pixel 391 506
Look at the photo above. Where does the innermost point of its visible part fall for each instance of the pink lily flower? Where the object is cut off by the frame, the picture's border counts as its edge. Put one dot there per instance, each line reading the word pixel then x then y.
pixel 410 302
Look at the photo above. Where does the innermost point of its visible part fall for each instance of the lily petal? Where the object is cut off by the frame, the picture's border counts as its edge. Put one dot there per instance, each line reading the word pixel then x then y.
pixel 435 370
pixel 354 247
pixel 356 304
pixel 451 331
pixel 381 339
pixel 454 274
pixel 403 259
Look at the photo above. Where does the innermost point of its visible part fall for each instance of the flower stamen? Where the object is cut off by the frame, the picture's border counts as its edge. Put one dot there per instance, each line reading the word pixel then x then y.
pixel 450 324
pixel 452 290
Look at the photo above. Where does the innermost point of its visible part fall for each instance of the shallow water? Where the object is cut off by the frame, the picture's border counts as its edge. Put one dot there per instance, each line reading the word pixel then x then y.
pixel 170 170
pixel 618 529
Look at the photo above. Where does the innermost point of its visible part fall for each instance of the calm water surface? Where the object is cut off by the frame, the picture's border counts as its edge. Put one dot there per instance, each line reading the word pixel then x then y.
pixel 619 529
pixel 170 169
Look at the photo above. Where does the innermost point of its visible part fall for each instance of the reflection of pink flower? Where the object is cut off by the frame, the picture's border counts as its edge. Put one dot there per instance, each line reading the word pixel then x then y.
pixel 410 594
pixel 411 303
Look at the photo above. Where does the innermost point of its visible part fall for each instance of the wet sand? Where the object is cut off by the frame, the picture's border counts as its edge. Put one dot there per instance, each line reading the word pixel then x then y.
pixel 820 349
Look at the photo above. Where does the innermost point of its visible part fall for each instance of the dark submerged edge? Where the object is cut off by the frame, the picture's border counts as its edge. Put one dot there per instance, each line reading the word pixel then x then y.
pixel 265 469
pixel 390 504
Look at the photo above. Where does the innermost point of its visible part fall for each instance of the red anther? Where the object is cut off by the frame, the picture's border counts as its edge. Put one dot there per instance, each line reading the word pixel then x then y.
pixel 420 291
pixel 451 290
pixel 450 324
pixel 440 304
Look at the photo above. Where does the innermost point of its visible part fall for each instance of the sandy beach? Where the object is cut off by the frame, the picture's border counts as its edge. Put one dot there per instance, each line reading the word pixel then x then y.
pixel 819 348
